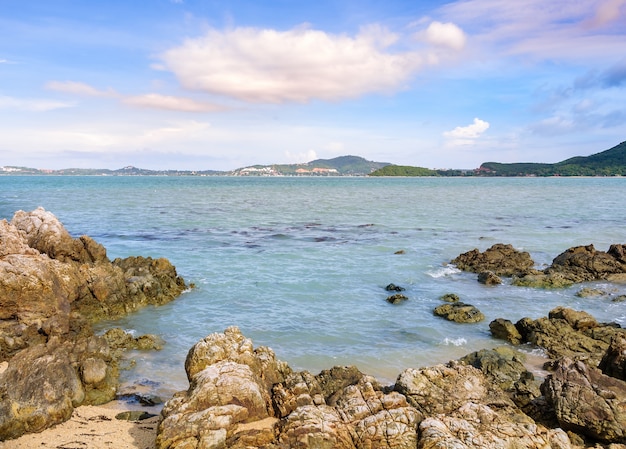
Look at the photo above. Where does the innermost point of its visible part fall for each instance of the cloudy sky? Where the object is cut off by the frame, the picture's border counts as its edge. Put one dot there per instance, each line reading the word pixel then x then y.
pixel 206 84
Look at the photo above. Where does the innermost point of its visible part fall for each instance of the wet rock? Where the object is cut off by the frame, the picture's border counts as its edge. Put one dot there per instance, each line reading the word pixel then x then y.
pixel 134 415
pixel 587 401
pixel 394 288
pixel 397 298
pixel 119 339
pixel 505 330
pixel 489 278
pixel 579 264
pixel 587 292
pixel 501 259
pixel 450 297
pixel 459 312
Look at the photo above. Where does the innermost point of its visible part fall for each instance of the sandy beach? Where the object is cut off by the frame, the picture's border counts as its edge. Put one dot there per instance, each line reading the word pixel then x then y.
pixel 94 427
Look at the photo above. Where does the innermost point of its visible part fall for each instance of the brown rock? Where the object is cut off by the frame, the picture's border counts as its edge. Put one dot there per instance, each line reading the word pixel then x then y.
pixel 587 401
pixel 505 330
pixel 459 312
pixel 502 260
pixel 613 362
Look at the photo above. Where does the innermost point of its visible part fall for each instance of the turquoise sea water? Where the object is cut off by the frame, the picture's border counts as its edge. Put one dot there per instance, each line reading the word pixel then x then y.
pixel 300 264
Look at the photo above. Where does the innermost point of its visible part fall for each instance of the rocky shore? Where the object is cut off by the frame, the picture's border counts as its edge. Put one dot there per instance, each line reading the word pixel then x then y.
pixel 53 287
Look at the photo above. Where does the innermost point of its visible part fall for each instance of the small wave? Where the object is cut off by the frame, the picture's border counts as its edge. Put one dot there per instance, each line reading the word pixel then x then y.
pixel 454 341
pixel 448 270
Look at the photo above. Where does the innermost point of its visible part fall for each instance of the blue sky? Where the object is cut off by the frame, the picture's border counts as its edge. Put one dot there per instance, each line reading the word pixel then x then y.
pixel 198 84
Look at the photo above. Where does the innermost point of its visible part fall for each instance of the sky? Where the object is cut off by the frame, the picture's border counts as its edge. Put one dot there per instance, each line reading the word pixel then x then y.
pixel 219 85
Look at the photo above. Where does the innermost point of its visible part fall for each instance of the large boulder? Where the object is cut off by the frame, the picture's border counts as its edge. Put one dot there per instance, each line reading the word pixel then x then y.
pixel 61 375
pixel 45 233
pixel 500 259
pixel 587 401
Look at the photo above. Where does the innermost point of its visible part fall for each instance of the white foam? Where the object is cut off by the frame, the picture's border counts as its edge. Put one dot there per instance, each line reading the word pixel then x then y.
pixel 448 270
pixel 454 341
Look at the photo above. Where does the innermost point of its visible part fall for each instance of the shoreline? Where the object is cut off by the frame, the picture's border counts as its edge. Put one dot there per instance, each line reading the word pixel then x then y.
pixel 95 427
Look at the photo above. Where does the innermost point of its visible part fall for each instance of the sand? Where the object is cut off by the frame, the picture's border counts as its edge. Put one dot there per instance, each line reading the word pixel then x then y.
pixel 93 427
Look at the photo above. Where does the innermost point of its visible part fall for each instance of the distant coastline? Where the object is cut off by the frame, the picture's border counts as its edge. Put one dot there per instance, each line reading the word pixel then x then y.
pixel 611 162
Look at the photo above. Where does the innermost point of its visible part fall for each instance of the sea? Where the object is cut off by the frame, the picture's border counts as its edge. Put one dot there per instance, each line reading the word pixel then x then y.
pixel 300 264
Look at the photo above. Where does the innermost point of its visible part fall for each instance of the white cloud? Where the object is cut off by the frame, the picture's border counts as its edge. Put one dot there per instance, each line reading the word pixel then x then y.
pixel 473 131
pixel 167 102
pixel 559 29
pixel 264 65
pixel 446 35
pixel 300 158
pixel 77 88
pixel 32 104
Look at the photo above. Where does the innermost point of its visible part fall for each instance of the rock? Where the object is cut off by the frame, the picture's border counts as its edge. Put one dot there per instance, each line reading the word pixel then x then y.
pixel 569 333
pixel 61 375
pixel 505 330
pixel 587 401
pixel 394 288
pixel 134 415
pixel 397 298
pixel 585 263
pixel 613 362
pixel 45 233
pixel 502 260
pixel 587 292
pixel 120 339
pixel 489 278
pixel 450 297
pixel 505 368
pixel 579 264
pixel 459 312
pixel 52 288
pixel 477 426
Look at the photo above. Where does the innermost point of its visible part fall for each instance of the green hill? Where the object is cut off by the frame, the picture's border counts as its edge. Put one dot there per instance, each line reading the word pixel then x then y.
pixel 404 170
pixel 339 166
pixel 611 162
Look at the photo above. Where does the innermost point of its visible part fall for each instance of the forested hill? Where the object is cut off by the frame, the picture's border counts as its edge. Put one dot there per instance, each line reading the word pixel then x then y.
pixel 611 162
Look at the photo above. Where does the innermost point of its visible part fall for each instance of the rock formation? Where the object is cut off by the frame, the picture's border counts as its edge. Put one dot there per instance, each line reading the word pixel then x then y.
pixel 52 287
pixel 575 265
pixel 241 397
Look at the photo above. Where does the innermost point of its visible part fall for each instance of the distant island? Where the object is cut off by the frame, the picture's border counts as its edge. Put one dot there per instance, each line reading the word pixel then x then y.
pixel 611 162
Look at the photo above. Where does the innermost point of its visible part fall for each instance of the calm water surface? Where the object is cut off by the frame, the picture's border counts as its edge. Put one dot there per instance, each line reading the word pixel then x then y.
pixel 300 264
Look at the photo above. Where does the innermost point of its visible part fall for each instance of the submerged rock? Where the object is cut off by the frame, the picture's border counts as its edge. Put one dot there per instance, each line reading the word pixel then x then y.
pixel 397 298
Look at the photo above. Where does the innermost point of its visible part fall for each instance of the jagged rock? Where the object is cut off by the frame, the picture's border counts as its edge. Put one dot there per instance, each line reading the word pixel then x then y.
pixel 579 264
pixel 489 278
pixel 477 426
pixel 587 401
pixel 459 312
pixel 502 260
pixel 397 298
pixel 613 362
pixel 52 287
pixel 505 330
pixel 505 368
pixel 45 233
